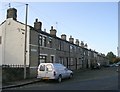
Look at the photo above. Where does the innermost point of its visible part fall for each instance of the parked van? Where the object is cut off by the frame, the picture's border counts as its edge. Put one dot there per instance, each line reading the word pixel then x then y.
pixel 54 71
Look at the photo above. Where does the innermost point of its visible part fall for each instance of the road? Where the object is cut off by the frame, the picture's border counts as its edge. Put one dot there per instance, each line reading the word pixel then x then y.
pixel 103 79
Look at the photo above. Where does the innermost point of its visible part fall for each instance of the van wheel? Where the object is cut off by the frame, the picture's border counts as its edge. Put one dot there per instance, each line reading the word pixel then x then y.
pixel 59 79
pixel 71 75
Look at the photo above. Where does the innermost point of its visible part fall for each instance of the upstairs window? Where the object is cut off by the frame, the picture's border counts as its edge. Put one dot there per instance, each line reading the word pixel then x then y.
pixel 42 40
pixel 60 46
pixel 50 42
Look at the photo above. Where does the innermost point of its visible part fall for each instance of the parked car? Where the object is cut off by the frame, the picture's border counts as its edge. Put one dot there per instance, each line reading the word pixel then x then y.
pixel 54 71
pixel 118 63
pixel 113 65
pixel 96 66
pixel 118 68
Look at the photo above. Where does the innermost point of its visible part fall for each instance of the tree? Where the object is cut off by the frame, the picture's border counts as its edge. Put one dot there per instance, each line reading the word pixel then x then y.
pixel 116 60
pixel 111 56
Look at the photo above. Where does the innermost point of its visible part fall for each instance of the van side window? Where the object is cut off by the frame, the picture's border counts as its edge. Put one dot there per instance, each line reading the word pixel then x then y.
pixel 42 68
pixel 49 68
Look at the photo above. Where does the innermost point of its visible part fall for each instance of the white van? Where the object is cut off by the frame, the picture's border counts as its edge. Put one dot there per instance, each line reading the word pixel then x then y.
pixel 55 71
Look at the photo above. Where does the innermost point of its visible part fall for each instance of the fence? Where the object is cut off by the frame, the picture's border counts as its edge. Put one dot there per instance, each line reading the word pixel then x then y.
pixel 13 72
pixel 14 66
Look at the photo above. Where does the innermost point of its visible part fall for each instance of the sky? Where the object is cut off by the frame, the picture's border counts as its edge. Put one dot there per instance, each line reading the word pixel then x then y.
pixel 94 23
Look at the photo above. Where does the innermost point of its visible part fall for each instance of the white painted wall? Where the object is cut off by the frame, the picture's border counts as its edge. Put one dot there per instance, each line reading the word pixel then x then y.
pixel 13 43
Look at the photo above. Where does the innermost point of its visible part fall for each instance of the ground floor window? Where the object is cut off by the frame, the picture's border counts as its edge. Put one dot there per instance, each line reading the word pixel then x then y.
pixel 61 60
pixel 52 58
pixel 71 61
pixel 67 62
pixel 43 59
pixel 80 62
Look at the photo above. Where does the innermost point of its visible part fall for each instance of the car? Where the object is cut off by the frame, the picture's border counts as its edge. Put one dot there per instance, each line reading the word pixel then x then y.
pixel 96 66
pixel 55 71
pixel 118 63
pixel 118 68
pixel 113 65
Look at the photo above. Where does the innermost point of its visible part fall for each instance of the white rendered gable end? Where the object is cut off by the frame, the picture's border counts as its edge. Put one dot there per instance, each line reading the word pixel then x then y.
pixel 13 36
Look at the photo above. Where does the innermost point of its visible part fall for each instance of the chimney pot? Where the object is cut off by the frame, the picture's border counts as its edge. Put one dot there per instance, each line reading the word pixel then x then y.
pixel 12 13
pixel 77 42
pixel 36 20
pixel 71 40
pixel 51 27
pixel 37 25
pixel 63 36
pixel 53 31
pixel 82 44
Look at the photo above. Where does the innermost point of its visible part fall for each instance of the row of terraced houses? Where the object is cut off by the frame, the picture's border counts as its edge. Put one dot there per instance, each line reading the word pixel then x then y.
pixel 42 46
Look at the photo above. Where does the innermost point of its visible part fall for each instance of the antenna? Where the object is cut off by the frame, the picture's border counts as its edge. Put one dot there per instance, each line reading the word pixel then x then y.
pixel 56 25
pixel 9 5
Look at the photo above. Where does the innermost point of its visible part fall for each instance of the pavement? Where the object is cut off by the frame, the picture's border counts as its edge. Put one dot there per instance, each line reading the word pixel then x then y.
pixel 19 83
pixel 27 81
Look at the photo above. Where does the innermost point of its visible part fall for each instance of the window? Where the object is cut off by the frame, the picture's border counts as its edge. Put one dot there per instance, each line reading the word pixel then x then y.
pixel 50 43
pixel 52 58
pixel 40 40
pixel 0 39
pixel 61 60
pixel 71 48
pixel 44 41
pixel 42 68
pixel 60 46
pixel 43 59
pixel 49 68
pixel 75 48
pixel 71 61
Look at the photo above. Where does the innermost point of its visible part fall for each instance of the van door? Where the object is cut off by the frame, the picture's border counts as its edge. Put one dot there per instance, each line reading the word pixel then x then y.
pixel 41 71
pixel 49 71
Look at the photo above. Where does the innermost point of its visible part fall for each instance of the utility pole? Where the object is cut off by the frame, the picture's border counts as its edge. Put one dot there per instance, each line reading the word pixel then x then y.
pixel 25 51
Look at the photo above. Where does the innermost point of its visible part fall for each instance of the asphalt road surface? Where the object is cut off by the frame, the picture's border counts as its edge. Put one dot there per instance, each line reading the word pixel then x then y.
pixel 103 79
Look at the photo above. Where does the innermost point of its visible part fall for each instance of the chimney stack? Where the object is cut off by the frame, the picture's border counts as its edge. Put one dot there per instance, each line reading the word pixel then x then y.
pixel 63 36
pixel 82 44
pixel 12 13
pixel 71 40
pixel 77 42
pixel 86 45
pixel 37 25
pixel 53 31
